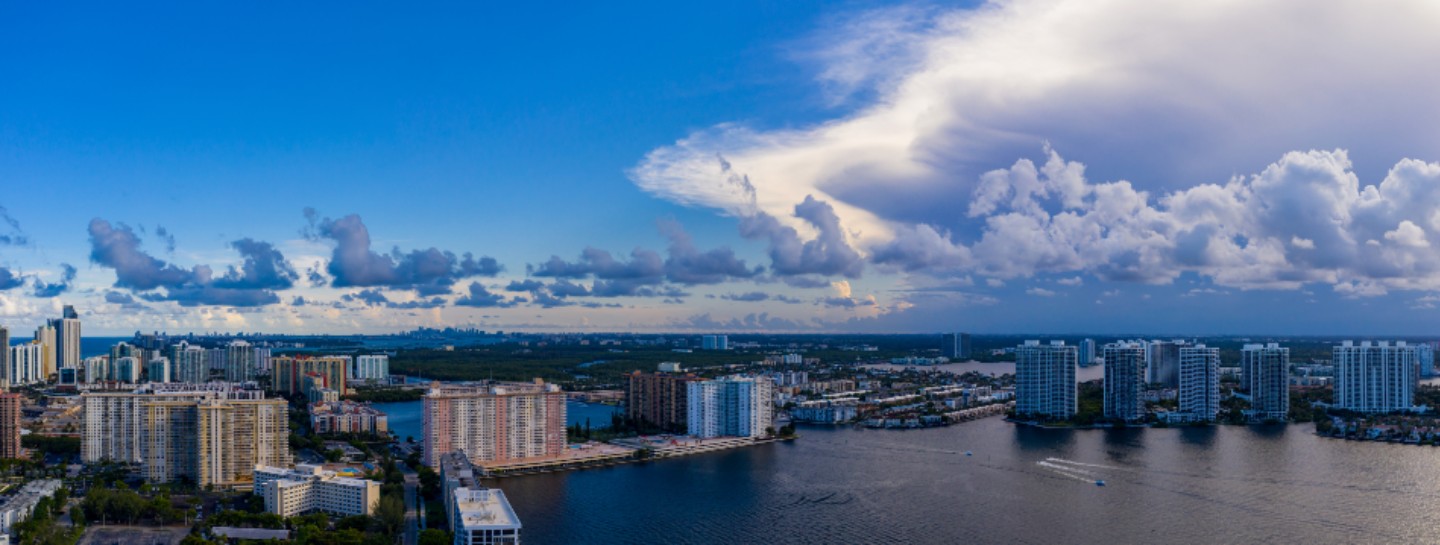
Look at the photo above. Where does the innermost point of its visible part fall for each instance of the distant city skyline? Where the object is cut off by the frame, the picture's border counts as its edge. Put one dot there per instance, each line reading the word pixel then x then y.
pixel 796 167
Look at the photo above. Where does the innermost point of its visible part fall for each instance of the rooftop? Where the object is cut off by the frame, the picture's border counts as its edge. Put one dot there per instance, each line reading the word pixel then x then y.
pixel 484 508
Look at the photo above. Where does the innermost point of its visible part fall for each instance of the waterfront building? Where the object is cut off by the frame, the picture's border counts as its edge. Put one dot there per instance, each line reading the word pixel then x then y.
pixel 1087 352
pixel 955 346
pixel 10 405
pixel 715 342
pixel 1199 382
pixel 482 516
pixel 1045 384
pixel 1377 377
pixel 207 436
pixel 290 372
pixel 1124 381
pixel 1426 353
pixel 1265 375
pixel 189 363
pixel 731 407
pixel 158 370
pixel 1163 363
pixel 310 488
pixel 347 417
pixel 67 338
pixel 495 422
pixel 657 399
pixel 824 412
pixel 371 368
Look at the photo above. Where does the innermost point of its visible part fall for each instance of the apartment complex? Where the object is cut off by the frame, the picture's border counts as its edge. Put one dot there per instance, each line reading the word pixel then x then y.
pixel 494 422
pixel 10 425
pixel 1045 379
pixel 310 488
pixel 1376 377
pixel 1199 382
pixel 482 516
pixel 371 367
pixel 347 417
pixel 289 372
pixel 658 399
pixel 731 406
pixel 1124 381
pixel 207 436
pixel 1265 375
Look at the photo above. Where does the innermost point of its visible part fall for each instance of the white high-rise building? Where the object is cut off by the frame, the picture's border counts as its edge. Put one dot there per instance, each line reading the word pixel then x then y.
pixel 731 406
pixel 97 369
pixel 1124 381
pixel 1376 377
pixel 158 370
pixel 1045 379
pixel 240 364
pixel 1087 351
pixel 190 364
pixel 1265 374
pixel 1200 381
pixel 371 367
pixel 26 364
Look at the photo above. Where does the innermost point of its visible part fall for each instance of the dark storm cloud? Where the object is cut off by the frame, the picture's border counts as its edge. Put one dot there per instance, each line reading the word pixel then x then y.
pixel 688 265
pixel 125 301
pixel 827 255
pixel 262 270
pixel 354 264
pixel 479 297
pixel 524 285
pixel 46 289
pixel 10 280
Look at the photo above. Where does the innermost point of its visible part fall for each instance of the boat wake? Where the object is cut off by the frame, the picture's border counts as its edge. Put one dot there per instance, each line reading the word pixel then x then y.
pixel 1082 464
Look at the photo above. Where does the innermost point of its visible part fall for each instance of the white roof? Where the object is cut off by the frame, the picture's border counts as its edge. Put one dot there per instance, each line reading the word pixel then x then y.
pixel 484 508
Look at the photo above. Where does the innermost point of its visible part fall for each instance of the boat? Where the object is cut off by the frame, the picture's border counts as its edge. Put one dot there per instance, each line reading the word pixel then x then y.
pixel 1100 483
pixel 968 453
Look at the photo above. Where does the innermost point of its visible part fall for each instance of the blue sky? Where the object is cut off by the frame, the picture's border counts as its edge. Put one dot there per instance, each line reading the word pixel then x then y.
pixel 1010 166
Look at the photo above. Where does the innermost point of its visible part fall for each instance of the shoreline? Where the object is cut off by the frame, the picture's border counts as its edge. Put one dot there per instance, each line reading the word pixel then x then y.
pixel 559 466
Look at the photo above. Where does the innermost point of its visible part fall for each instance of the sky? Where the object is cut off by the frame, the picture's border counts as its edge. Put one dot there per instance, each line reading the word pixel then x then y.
pixel 1010 166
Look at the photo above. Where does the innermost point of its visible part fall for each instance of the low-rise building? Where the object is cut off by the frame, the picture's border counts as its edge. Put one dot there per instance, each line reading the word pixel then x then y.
pixel 310 488
pixel 347 417
pixel 19 507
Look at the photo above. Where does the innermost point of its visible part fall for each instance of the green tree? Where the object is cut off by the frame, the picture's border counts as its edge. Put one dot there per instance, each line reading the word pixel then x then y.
pixel 391 513
pixel 434 537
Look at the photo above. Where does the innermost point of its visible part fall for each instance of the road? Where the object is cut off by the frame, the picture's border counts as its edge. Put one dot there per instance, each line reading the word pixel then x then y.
pixel 412 505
